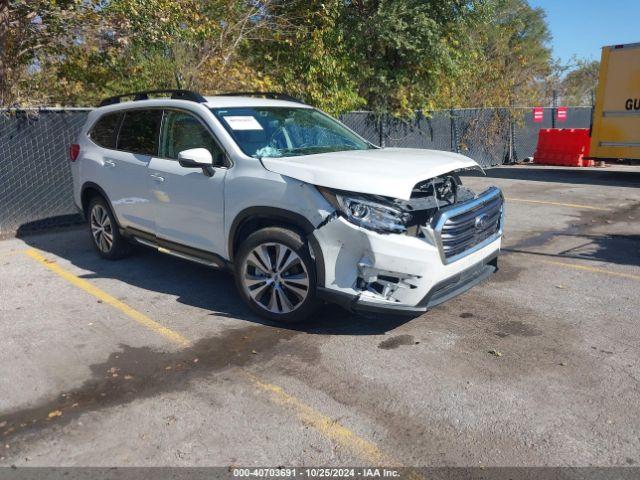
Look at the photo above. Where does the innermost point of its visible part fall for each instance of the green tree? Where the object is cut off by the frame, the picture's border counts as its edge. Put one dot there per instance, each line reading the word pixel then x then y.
pixel 151 44
pixel 579 84
pixel 402 48
pixel 310 60
pixel 384 55
pixel 4 32
pixel 506 60
pixel 33 34
pixel 390 56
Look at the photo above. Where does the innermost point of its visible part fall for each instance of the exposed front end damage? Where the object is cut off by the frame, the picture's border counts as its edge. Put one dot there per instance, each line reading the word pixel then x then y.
pixel 449 242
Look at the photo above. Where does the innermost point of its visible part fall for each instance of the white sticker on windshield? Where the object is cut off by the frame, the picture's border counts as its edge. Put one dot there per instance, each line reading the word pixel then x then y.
pixel 242 123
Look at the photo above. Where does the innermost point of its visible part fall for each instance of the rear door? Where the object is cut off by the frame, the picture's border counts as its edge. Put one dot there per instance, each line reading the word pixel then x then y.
pixel 126 167
pixel 97 158
pixel 188 204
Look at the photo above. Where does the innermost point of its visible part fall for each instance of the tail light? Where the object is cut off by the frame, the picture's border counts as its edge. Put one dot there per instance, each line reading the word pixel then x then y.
pixel 74 152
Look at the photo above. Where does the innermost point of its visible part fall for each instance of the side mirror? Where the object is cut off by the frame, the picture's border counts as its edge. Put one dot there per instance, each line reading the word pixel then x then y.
pixel 195 158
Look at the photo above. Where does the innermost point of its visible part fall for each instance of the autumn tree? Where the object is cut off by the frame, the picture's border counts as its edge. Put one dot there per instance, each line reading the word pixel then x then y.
pixel 311 61
pixel 402 48
pixel 384 55
pixel 579 83
pixel 389 56
pixel 150 44
pixel 33 34
pixel 4 31
pixel 506 58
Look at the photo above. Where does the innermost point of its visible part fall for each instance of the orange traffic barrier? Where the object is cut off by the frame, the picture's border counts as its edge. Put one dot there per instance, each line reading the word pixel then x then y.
pixel 563 146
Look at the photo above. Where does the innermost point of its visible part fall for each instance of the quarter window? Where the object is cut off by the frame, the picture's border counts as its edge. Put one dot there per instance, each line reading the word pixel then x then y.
pixel 105 130
pixel 182 131
pixel 139 132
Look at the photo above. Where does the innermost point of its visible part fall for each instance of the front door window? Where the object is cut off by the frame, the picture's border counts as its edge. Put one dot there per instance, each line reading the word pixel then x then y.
pixel 182 131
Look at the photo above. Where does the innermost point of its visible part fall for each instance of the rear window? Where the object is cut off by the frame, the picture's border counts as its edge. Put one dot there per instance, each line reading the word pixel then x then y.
pixel 105 130
pixel 139 132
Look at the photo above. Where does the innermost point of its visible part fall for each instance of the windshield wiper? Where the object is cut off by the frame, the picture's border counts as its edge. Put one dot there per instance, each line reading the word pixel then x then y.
pixel 317 149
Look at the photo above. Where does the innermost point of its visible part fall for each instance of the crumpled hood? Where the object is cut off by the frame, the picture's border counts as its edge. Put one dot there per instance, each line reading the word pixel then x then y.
pixel 391 172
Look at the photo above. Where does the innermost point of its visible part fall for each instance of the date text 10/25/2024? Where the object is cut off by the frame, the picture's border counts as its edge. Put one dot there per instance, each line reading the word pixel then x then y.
pixel 318 472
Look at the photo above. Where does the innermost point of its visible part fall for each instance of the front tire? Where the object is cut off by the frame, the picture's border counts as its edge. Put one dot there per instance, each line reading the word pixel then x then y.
pixel 105 234
pixel 276 275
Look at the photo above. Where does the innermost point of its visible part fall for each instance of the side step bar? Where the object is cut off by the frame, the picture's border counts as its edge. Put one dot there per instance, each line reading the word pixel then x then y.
pixel 177 250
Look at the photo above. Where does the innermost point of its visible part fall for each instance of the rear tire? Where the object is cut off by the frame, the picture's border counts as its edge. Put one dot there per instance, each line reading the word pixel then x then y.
pixel 276 275
pixel 104 231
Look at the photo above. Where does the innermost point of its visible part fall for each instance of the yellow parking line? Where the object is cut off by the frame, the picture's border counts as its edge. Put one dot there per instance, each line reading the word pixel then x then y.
pixel 325 425
pixel 592 269
pixel 570 205
pixel 108 299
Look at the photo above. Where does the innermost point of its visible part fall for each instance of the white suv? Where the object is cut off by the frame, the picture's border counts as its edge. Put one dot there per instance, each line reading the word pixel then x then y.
pixel 297 205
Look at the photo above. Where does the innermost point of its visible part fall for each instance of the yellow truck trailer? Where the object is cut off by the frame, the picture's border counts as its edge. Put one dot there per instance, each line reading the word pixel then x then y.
pixel 615 132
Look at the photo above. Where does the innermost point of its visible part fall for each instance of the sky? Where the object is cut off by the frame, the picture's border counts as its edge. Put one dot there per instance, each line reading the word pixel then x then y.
pixel 582 27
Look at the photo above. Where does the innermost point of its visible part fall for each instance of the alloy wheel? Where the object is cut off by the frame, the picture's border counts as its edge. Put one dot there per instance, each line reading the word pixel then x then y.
pixel 275 277
pixel 101 228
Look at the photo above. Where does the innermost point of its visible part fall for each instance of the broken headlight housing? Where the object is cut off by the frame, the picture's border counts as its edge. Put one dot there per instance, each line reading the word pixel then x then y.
pixel 368 213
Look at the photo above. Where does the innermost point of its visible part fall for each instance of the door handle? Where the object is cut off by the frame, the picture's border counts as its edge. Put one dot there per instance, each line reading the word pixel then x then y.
pixel 109 163
pixel 157 178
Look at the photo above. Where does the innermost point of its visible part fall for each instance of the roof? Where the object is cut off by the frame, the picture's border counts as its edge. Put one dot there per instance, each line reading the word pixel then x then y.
pixel 225 100
pixel 211 102
pixel 237 101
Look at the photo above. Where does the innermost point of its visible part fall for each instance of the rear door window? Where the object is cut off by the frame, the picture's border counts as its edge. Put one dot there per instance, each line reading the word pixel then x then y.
pixel 139 132
pixel 105 130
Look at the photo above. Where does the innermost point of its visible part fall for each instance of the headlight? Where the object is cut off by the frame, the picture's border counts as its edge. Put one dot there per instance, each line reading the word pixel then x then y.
pixel 367 213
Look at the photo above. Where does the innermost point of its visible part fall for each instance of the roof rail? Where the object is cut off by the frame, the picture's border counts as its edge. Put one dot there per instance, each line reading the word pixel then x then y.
pixel 271 95
pixel 175 94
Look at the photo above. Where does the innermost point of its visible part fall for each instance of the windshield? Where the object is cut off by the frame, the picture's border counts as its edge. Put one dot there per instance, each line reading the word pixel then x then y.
pixel 284 132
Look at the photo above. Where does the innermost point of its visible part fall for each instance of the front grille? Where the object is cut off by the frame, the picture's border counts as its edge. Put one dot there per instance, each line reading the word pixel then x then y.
pixel 467 225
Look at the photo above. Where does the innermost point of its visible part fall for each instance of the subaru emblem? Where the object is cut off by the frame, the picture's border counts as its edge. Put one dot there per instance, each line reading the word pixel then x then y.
pixel 481 221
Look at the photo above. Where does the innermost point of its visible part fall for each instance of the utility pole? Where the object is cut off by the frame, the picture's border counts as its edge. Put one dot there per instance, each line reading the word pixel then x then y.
pixel 554 105
pixel 454 131
pixel 381 129
pixel 512 155
pixel 593 107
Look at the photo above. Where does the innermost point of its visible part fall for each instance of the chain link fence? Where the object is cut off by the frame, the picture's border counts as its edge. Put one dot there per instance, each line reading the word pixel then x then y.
pixel 491 136
pixel 36 190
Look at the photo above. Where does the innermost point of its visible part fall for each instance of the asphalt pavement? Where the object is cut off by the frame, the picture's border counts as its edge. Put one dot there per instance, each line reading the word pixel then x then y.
pixel 154 361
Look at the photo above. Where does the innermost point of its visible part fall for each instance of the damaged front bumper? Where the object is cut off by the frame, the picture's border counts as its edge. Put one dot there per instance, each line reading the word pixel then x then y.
pixel 439 293
pixel 403 274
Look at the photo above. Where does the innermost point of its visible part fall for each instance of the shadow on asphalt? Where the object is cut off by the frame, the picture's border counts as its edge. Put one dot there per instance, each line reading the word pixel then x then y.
pixel 578 176
pixel 196 285
pixel 614 249
pixel 132 373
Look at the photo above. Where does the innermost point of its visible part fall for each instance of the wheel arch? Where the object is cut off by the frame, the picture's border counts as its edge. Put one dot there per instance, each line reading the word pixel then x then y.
pixel 253 219
pixel 88 191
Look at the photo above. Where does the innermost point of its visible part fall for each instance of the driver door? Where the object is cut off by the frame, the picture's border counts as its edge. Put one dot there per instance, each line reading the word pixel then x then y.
pixel 188 204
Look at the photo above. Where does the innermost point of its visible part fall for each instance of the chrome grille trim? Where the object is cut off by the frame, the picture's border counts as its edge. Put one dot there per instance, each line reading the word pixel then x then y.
pixel 455 228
